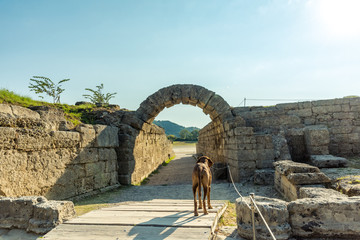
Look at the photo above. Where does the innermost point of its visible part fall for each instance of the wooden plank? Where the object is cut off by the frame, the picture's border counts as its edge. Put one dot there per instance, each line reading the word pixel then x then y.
pixel 104 232
pixel 154 219
pixel 165 208
pixel 111 219
pixel 125 214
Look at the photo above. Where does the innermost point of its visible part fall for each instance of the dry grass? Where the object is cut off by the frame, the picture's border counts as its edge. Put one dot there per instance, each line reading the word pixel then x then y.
pixel 229 216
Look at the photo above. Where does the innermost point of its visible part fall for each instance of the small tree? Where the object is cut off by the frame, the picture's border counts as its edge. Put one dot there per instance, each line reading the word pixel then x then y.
pixel 97 96
pixel 194 135
pixel 171 137
pixel 40 85
pixel 185 134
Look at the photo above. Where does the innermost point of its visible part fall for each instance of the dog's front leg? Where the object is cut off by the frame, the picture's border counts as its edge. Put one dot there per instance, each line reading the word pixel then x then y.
pixel 195 203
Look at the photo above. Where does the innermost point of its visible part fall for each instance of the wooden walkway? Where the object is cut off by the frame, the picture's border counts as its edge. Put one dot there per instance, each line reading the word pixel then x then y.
pixel 155 219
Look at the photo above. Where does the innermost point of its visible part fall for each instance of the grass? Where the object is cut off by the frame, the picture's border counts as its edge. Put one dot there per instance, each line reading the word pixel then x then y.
pixel 229 216
pixel 10 97
pixel 181 143
pixel 74 114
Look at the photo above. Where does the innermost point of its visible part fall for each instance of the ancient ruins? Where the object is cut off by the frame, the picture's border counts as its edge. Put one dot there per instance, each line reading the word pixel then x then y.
pixel 42 156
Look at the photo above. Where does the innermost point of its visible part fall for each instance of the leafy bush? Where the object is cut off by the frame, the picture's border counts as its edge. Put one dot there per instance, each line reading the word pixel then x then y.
pixel 40 85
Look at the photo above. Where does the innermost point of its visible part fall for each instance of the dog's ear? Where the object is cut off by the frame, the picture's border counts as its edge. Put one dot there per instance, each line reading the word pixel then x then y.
pixel 210 162
pixel 201 159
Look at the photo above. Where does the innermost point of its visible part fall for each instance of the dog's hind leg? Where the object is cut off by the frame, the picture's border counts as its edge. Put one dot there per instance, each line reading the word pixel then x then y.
pixel 205 194
pixel 200 204
pixel 208 198
pixel 195 203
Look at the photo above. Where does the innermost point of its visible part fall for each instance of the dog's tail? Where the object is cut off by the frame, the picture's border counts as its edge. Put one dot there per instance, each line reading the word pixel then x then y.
pixel 199 175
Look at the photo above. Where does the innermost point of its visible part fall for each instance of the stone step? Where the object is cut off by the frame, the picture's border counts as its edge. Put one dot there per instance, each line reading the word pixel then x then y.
pixel 327 161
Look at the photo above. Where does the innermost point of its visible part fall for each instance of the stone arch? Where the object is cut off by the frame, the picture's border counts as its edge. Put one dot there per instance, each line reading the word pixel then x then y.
pixel 195 95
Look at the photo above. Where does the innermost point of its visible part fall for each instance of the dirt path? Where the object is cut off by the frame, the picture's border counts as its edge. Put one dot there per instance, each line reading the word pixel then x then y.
pixel 179 170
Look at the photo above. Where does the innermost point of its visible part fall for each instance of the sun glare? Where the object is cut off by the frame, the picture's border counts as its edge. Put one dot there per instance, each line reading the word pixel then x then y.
pixel 339 18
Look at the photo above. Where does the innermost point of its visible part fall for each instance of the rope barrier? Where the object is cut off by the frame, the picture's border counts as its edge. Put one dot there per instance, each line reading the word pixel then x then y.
pixel 242 198
pixel 252 199
pixel 262 217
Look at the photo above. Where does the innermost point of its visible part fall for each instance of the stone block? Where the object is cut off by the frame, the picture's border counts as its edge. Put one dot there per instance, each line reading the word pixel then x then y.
pixel 349 185
pixel 326 109
pixel 306 112
pixel 5 110
pixel 308 178
pixel 87 134
pixel 238 131
pixel 21 112
pixel 106 154
pixel 106 136
pixel 93 169
pixel 319 192
pixel 325 217
pixel 16 212
pixel 317 139
pixel 264 163
pixel 102 180
pixel 275 213
pixel 246 155
pixel 327 161
pixel 286 167
pixel 87 155
pixel 264 177
pixel 65 139
pixel 288 190
pixel 49 214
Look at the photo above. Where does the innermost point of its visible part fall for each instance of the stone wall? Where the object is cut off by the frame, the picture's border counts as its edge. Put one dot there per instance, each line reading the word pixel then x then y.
pixel 36 158
pixel 233 143
pixel 143 146
pixel 254 137
pixel 339 116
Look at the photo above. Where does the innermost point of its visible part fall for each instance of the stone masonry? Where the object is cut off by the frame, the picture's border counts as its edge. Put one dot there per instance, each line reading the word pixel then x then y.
pixel 38 160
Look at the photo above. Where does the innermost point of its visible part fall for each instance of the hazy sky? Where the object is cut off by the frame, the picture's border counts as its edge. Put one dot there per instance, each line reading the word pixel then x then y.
pixel 274 49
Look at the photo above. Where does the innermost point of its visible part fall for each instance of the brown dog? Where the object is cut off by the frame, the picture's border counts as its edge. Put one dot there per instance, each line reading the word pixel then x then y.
pixel 201 175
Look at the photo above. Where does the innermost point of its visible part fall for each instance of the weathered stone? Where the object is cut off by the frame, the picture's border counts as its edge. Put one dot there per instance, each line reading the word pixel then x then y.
pixel 106 136
pixel 349 185
pixel 286 167
pixel 325 217
pixel 275 213
pixel 16 212
pixel 264 177
pixel 327 161
pixel 319 192
pixel 308 178
pixel 21 112
pixel 87 134
pixel 317 139
pixel 49 214
pixel 87 155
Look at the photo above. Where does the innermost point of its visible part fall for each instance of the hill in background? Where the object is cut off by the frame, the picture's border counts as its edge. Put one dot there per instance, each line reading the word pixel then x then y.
pixel 173 128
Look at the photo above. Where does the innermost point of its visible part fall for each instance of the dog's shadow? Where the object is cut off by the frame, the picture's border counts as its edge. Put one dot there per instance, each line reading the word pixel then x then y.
pixel 162 227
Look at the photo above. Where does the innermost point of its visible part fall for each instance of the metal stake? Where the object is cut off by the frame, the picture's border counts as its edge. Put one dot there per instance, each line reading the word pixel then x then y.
pixel 252 195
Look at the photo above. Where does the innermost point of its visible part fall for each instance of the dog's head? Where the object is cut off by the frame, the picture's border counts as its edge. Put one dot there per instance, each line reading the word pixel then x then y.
pixel 205 159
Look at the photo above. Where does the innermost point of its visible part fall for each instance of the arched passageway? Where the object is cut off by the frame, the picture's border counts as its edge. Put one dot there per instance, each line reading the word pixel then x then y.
pixel 149 146
pixel 195 95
